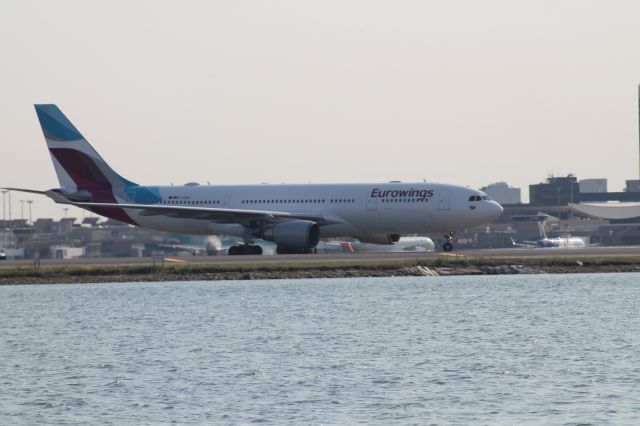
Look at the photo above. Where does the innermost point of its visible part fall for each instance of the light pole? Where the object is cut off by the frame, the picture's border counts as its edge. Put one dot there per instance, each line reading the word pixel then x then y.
pixel 9 208
pixel 66 209
pixel 30 202
pixel 4 205
pixel 22 209
pixel 4 218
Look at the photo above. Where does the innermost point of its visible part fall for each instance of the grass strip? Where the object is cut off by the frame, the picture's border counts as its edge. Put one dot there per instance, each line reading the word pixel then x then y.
pixel 549 264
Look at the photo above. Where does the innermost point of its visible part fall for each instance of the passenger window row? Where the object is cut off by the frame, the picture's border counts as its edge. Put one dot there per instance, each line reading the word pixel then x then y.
pixel 297 201
pixel 190 202
pixel 282 201
pixel 300 201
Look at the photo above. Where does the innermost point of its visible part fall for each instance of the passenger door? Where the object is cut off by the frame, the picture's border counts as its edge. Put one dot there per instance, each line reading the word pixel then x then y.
pixel 444 200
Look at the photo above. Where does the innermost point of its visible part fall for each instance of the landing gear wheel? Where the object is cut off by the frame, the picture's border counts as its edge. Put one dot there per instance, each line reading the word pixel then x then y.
pixel 245 249
pixel 447 246
pixel 282 250
pixel 287 250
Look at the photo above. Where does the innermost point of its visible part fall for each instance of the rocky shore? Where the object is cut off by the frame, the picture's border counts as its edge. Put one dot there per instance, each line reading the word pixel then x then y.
pixel 78 275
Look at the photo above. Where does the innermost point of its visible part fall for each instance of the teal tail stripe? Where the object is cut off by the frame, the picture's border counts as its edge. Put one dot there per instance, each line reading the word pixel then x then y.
pixel 55 125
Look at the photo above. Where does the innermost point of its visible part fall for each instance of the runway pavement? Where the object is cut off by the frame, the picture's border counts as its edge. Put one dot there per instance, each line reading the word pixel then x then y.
pixel 334 257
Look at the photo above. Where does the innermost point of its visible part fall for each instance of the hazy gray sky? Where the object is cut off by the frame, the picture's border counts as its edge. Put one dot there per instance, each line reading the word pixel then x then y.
pixel 466 92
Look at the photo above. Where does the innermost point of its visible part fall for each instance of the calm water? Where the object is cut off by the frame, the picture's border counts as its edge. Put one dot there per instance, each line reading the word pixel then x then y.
pixel 508 349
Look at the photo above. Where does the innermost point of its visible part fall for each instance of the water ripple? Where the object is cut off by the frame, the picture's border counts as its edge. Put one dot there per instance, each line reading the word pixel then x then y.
pixel 557 349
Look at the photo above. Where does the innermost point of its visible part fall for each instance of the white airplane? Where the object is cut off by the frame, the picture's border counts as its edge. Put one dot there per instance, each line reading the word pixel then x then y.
pixel 544 241
pixel 408 244
pixel 295 217
pixel 211 247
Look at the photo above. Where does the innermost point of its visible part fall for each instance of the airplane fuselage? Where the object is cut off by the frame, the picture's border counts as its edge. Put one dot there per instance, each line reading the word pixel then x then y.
pixel 360 210
pixel 566 242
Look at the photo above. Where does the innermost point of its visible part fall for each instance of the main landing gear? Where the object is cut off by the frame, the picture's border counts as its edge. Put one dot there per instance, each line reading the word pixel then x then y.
pixel 245 249
pixel 287 250
pixel 447 246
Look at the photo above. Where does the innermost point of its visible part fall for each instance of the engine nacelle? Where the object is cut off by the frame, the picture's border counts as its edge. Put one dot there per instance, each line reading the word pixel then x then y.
pixel 294 234
pixel 383 239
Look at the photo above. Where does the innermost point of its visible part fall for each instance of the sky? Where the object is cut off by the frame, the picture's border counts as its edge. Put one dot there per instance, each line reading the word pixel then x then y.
pixel 462 92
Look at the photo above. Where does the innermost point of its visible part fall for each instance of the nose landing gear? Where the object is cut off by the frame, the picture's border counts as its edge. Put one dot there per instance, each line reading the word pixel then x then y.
pixel 447 246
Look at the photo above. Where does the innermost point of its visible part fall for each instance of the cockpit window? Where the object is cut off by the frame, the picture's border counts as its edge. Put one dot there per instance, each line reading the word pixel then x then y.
pixel 485 197
pixel 474 198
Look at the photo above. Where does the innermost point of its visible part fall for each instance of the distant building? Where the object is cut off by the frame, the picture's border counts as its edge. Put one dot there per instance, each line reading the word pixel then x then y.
pixel 501 193
pixel 593 185
pixel 90 222
pixel 557 191
pixel 44 226
pixel 632 186
pixel 66 252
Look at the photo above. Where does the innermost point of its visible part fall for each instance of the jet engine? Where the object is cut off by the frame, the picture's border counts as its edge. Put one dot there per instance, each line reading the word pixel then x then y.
pixel 294 234
pixel 384 239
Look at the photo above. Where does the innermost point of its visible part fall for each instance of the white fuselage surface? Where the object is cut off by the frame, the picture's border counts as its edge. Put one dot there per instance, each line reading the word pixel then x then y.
pixel 365 211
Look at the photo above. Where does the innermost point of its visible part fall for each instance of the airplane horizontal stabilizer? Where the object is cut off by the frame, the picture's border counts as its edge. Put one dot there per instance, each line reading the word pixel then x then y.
pixel 31 191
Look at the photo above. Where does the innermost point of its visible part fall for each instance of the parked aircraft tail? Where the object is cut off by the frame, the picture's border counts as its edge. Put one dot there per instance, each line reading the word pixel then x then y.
pixel 541 232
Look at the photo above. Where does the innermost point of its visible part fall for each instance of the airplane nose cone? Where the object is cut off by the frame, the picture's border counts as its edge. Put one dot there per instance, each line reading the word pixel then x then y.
pixel 496 210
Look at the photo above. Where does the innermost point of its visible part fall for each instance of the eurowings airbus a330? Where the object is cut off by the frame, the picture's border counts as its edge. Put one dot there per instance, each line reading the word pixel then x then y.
pixel 295 217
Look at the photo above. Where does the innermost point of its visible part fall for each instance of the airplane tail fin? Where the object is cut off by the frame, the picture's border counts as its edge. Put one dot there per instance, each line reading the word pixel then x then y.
pixel 541 232
pixel 78 166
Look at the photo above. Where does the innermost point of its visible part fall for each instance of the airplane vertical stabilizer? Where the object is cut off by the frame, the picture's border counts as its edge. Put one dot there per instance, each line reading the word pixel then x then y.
pixel 77 164
pixel 79 167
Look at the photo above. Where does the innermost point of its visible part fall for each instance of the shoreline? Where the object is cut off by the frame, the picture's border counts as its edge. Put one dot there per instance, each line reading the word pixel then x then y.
pixel 260 271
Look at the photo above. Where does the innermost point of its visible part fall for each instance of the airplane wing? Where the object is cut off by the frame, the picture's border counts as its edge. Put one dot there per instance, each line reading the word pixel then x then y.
pixel 222 215
pixel 217 214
